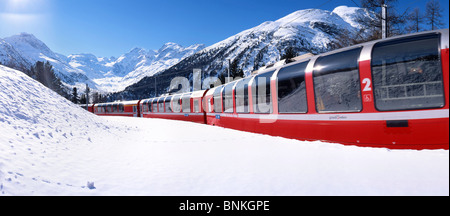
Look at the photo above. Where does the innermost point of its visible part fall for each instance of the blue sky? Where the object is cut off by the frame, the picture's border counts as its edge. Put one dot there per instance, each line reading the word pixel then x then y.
pixel 113 27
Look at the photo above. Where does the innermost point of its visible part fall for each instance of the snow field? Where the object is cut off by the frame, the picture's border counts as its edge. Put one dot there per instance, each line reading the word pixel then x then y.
pixel 49 146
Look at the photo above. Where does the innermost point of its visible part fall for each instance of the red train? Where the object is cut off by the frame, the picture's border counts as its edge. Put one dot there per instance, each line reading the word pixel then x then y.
pixel 391 93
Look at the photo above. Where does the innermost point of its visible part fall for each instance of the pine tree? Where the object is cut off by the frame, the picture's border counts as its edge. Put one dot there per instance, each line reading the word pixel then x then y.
pixel 289 53
pixel 434 15
pixel 75 99
pixel 44 73
pixel 95 97
pixel 83 99
pixel 222 78
pixel 235 71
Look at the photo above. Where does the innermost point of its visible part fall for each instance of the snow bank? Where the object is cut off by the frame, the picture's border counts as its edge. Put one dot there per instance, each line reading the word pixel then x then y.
pixel 50 147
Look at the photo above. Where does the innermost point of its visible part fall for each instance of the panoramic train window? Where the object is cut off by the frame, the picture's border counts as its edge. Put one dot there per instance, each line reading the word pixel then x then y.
pixel 218 100
pixel 407 74
pixel 148 106
pixel 186 103
pixel 196 106
pixel 228 98
pixel 161 104
pixel 168 104
pixel 292 89
pixel 261 93
pixel 336 82
pixel 177 103
pixel 144 106
pixel 155 105
pixel 241 95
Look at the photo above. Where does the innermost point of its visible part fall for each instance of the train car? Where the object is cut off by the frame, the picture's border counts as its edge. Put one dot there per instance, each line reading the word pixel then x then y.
pixel 90 107
pixel 127 108
pixel 391 93
pixel 185 107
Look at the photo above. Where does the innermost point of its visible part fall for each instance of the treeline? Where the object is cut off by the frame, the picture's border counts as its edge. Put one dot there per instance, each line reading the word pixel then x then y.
pixel 94 97
pixel 399 22
pixel 44 73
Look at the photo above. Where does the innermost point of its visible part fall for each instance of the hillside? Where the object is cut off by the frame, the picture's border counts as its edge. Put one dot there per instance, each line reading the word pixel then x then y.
pixel 305 31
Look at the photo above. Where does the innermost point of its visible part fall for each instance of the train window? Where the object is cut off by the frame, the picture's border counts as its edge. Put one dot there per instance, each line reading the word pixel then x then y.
pixel 186 103
pixel 177 103
pixel 149 105
pixel 161 105
pixel 228 98
pixel 241 95
pixel 168 104
pixel 196 106
pixel 292 89
pixel 336 82
pixel 155 105
pixel 261 93
pixel 218 99
pixel 407 74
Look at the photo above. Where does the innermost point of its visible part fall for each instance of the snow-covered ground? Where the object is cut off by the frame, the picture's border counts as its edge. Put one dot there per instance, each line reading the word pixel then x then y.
pixel 49 146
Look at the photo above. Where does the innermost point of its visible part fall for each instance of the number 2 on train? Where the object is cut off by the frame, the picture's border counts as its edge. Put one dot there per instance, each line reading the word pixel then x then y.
pixel 368 84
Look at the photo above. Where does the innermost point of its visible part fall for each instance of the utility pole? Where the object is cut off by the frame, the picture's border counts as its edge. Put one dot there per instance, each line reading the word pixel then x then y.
pixel 229 65
pixel 87 97
pixel 155 86
pixel 384 21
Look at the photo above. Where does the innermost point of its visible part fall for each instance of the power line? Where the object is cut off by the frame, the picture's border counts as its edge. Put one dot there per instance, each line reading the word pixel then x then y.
pixel 355 3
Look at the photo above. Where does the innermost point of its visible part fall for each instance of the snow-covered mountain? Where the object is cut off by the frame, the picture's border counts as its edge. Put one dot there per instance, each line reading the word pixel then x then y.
pixel 113 74
pixel 305 31
pixel 23 50
pixel 106 74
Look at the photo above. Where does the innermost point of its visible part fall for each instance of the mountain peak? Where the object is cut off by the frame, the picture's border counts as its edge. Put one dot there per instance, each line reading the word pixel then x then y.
pixel 170 45
pixel 28 43
pixel 24 37
pixel 136 50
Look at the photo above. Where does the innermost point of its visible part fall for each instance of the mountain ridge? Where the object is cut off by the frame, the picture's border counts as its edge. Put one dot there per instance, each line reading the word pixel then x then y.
pixel 23 50
pixel 305 31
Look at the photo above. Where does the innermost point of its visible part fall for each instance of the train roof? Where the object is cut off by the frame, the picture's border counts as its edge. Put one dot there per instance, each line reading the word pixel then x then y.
pixel 192 94
pixel 118 103
pixel 197 94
